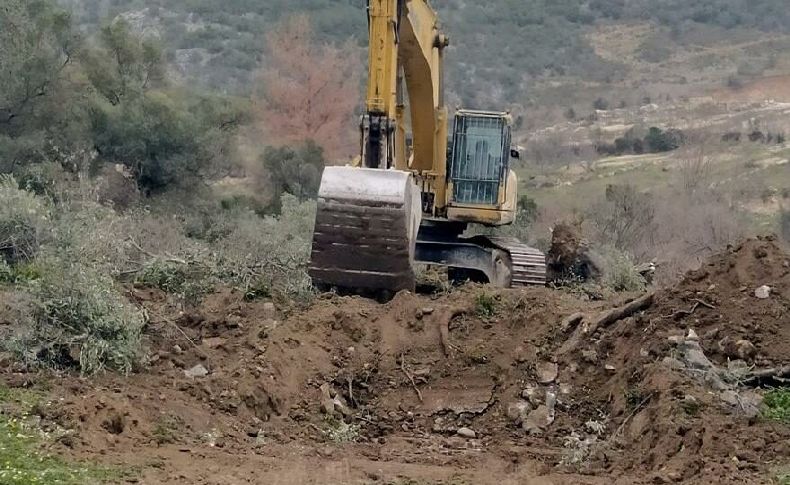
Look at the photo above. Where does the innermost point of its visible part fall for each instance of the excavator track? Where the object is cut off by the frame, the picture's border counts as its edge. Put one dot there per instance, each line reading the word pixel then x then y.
pixel 528 264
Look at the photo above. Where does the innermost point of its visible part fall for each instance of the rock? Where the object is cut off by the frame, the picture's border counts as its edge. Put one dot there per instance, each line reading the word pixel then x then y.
pixel 197 371
pixel 547 372
pixel 518 411
pixel 427 311
pixel 466 433
pixel 327 402
pixel 763 292
pixel 610 368
pixel 533 394
pixel 692 335
pixel 590 356
pixel 269 311
pixel 551 403
pixel 341 406
pixel 711 334
pixel 751 403
pixel 213 342
pixel 177 349
pixel 745 349
pixel 525 353
pixel 693 356
pixel 676 339
pixel 537 421
pixel 747 402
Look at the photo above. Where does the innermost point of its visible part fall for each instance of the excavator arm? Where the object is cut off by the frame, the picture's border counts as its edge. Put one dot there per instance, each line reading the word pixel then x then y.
pixel 368 218
pixel 406 57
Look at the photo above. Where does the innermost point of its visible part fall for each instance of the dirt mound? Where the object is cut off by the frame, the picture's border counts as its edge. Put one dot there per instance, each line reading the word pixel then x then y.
pixel 668 372
pixel 486 386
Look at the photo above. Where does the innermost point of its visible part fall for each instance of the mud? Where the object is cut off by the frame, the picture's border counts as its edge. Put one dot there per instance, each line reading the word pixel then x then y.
pixel 546 405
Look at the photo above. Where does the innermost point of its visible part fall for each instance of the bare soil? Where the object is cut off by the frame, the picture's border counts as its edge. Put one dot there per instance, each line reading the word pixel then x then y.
pixel 415 371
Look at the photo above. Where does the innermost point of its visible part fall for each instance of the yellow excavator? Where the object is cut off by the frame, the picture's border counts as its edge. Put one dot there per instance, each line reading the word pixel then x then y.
pixel 414 190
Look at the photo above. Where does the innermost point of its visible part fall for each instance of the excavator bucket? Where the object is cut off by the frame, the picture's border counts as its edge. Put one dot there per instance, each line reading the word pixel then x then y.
pixel 366 230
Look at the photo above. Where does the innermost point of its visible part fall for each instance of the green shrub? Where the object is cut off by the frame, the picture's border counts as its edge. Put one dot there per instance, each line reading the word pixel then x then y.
pixel 6 273
pixel 79 320
pixel 776 406
pixel 188 281
pixel 619 271
pixel 23 220
pixel 485 305
pixel 270 254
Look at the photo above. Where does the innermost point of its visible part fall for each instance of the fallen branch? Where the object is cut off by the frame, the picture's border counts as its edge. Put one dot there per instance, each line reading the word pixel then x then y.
pixel 410 377
pixel 704 303
pixel 682 313
pixel 570 322
pixel 780 374
pixel 588 325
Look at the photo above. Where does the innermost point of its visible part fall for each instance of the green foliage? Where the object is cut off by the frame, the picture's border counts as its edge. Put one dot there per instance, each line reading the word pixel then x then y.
pixel 776 406
pixel 22 461
pixel 80 320
pixel 23 218
pixel 296 171
pixel 601 104
pixel 485 305
pixel 658 140
pixel 619 271
pixel 655 140
pixel 189 281
pixel 270 254
pixel 125 64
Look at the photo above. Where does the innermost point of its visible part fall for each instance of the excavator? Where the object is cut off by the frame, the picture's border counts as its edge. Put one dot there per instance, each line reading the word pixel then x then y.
pixel 415 188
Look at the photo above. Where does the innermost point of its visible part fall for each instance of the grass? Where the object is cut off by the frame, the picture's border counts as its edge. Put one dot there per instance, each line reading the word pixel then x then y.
pixel 485 305
pixel 776 406
pixel 23 460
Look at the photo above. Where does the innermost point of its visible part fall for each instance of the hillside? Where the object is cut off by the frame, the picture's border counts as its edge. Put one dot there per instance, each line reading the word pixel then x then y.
pixel 559 43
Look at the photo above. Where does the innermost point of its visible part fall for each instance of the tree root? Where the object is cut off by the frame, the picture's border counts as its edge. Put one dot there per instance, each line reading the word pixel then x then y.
pixel 443 319
pixel 589 324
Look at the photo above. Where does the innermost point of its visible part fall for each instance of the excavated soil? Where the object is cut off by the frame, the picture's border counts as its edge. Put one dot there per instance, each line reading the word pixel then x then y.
pixel 472 387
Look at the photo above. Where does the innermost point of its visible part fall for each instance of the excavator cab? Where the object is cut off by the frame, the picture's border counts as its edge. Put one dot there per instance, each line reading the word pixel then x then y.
pixel 482 186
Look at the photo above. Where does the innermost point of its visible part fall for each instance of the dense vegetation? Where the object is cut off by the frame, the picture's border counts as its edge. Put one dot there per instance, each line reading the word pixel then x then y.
pixel 219 43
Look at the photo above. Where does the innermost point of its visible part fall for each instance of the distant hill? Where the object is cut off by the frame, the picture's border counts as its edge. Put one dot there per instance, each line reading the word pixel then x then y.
pixel 504 51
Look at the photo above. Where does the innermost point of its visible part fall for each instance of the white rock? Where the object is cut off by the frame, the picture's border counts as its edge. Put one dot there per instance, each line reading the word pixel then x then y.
pixel 547 372
pixel 466 433
pixel 518 411
pixel 763 292
pixel 692 335
pixel 197 371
